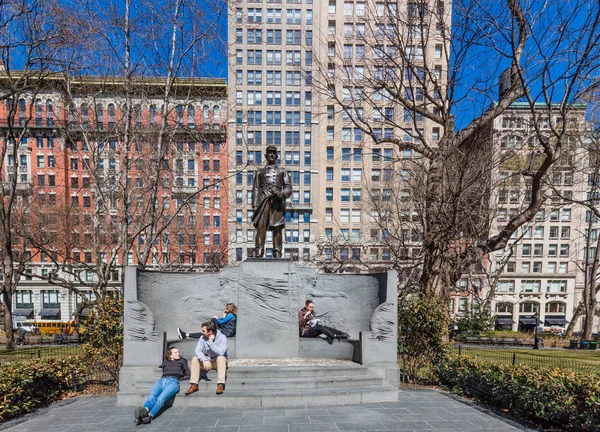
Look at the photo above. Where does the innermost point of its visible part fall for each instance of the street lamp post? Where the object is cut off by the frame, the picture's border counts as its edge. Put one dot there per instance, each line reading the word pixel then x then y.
pixel 536 341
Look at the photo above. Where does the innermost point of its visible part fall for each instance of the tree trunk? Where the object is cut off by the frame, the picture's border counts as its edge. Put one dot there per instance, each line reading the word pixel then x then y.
pixel 578 312
pixel 10 338
pixel 590 312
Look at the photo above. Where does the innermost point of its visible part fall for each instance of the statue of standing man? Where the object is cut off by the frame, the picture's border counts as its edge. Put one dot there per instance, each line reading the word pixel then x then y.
pixel 270 190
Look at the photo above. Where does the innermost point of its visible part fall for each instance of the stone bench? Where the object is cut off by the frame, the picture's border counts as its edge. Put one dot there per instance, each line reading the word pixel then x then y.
pixel 269 293
pixel 345 349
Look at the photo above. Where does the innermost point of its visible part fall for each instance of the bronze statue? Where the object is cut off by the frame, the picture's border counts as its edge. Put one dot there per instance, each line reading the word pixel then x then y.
pixel 270 190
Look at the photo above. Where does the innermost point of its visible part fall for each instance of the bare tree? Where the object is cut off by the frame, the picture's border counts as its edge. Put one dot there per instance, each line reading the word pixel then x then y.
pixel 419 79
pixel 32 36
pixel 117 203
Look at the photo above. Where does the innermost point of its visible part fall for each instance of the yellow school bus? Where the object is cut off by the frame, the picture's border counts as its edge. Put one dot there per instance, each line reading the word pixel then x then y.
pixel 49 327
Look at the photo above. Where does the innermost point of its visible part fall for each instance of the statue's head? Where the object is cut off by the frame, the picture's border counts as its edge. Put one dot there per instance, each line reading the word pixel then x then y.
pixel 271 154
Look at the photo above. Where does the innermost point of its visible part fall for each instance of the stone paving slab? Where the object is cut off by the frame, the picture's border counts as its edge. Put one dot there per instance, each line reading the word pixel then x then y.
pixel 417 410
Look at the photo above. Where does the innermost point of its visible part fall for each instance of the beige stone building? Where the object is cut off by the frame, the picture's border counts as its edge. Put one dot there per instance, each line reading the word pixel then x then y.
pixel 299 74
pixel 542 269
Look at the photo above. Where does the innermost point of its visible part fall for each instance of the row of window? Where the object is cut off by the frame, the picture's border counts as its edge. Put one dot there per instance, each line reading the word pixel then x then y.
pixel 274 15
pixel 274 36
pixel 354 254
pixel 273 57
pixel 355 194
pixel 97 114
pixel 532 307
pixel 348 154
pixel 532 286
pixel 255 77
pixel 255 137
pixel 291 236
pixel 292 118
pixel 537 267
pixel 555 215
pixel 275 117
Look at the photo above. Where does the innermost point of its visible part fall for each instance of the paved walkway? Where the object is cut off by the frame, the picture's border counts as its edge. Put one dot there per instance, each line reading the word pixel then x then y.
pixel 416 410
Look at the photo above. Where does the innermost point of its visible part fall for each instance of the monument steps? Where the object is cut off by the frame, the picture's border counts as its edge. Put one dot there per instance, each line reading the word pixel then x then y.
pixel 272 386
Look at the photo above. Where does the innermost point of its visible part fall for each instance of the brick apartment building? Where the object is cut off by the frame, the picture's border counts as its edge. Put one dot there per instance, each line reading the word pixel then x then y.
pixel 96 191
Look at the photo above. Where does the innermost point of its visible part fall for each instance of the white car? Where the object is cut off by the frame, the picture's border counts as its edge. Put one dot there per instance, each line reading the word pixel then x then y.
pixel 25 326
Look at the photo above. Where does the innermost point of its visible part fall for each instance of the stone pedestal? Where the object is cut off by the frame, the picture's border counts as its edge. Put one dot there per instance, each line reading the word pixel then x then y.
pixel 267 304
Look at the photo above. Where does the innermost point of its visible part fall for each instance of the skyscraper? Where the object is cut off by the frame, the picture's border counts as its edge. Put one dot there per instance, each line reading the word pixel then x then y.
pixel 300 75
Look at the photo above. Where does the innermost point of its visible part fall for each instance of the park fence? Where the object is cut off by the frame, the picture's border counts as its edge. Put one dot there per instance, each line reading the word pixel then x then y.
pixel 426 374
pixel 66 351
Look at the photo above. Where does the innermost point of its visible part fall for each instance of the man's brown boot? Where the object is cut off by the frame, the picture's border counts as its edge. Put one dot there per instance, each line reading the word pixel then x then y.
pixel 220 388
pixel 193 389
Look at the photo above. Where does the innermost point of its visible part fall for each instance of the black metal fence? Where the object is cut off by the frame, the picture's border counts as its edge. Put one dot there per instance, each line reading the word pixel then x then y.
pixel 528 357
pixel 423 374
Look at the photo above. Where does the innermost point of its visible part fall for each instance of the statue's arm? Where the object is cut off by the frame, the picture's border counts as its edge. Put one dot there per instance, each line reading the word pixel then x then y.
pixel 255 190
pixel 286 189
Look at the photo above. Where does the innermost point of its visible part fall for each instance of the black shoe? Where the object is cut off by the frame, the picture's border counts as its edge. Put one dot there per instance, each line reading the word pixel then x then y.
pixel 343 336
pixel 180 333
pixel 139 414
pixel 147 419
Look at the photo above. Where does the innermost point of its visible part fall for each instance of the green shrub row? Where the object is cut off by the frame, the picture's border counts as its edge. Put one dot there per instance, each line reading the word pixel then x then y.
pixel 550 397
pixel 26 385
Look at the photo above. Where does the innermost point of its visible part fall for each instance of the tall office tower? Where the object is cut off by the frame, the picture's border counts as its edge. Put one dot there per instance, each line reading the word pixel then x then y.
pixel 271 103
pixel 301 75
pixel 379 63
pixel 542 269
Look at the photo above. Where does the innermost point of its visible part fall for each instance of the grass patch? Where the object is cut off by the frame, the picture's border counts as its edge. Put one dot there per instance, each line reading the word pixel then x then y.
pixel 577 360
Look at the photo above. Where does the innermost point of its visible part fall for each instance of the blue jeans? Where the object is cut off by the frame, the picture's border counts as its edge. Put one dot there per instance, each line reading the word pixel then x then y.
pixel 164 389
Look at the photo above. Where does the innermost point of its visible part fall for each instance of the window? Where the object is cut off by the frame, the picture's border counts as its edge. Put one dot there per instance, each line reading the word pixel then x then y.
pixel 556 286
pixel 329 194
pixel 555 308
pixel 506 286
pixel 531 286
pixel 529 307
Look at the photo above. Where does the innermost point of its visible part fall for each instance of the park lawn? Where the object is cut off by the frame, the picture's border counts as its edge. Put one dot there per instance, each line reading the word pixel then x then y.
pixel 34 353
pixel 579 360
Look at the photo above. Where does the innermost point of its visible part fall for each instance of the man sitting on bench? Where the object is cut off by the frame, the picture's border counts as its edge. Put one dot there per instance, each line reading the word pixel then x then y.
pixel 211 352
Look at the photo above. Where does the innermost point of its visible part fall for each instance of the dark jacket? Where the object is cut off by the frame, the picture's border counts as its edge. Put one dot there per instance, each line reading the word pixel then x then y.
pixel 176 368
pixel 303 323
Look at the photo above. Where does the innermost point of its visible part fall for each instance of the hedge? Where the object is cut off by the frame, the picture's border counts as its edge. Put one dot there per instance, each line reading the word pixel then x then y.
pixel 25 386
pixel 550 397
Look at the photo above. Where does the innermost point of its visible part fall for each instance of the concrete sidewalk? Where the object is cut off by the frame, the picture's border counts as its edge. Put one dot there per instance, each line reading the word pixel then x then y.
pixel 416 410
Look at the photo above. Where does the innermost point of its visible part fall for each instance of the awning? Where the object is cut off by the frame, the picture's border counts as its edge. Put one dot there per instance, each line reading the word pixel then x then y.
pixel 23 312
pixel 504 321
pixel 556 321
pixel 529 321
pixel 50 313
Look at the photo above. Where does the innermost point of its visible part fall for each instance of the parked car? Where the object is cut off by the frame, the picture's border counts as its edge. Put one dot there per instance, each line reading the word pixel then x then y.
pixel 26 327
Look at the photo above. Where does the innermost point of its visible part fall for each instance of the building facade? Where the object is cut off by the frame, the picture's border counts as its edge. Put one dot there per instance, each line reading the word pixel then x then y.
pixel 297 71
pixel 97 189
pixel 537 279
